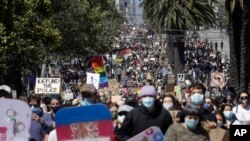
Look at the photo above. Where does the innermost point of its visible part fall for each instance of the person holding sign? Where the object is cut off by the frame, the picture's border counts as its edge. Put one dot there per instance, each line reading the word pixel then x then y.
pixel 89 96
pixel 150 113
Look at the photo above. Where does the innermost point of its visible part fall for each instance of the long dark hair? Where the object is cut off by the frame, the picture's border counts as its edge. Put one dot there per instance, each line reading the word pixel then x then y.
pixel 177 105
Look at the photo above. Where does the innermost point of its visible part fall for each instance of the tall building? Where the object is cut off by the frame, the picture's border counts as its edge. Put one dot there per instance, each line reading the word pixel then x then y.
pixel 131 10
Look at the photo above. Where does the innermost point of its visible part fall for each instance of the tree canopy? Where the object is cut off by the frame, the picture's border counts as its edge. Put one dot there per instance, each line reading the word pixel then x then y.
pixel 87 26
pixel 31 30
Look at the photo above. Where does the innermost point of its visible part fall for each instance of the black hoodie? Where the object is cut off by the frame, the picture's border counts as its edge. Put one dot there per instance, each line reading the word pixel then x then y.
pixel 141 118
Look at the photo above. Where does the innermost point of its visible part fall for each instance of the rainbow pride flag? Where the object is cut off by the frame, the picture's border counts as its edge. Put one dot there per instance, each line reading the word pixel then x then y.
pixel 98 66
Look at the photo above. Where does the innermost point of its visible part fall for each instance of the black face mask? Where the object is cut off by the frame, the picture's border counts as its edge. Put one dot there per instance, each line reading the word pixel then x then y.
pixel 184 103
pixel 55 109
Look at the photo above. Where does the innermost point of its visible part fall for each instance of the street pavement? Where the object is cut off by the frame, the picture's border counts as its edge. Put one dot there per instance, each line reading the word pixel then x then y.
pixel 216 35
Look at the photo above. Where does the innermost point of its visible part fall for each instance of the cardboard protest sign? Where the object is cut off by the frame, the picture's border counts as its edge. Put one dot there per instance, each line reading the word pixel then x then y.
pixel 170 87
pixel 48 85
pixel 94 79
pixel 113 87
pixel 115 99
pixel 118 60
pixel 68 94
pixel 151 134
pixel 86 123
pixel 15 120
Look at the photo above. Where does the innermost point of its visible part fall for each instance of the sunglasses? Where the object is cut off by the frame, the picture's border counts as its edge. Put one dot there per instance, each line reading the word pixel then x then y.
pixel 122 113
pixel 244 97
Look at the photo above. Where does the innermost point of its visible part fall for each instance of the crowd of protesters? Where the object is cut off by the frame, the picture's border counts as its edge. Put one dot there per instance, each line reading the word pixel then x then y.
pixel 138 61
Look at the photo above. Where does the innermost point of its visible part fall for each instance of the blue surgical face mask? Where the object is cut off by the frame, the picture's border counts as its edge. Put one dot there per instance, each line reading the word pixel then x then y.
pixel 86 102
pixel 197 98
pixel 219 123
pixel 148 102
pixel 206 106
pixel 168 106
pixel 228 114
pixel 191 123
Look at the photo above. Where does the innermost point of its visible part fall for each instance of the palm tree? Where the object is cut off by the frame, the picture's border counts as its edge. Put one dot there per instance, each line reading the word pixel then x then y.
pixel 239 29
pixel 235 22
pixel 176 16
pixel 245 47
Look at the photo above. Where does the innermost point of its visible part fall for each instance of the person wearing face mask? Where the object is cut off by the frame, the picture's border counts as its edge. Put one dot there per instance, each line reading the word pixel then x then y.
pixel 190 128
pixel 122 112
pixel 149 113
pixel 209 105
pixel 170 103
pixel 197 93
pixel 226 109
pixel 220 133
pixel 242 111
pixel 88 96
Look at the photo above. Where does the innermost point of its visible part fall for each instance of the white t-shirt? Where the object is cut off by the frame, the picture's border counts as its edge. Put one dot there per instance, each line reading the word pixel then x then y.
pixel 242 114
pixel 240 109
pixel 52 136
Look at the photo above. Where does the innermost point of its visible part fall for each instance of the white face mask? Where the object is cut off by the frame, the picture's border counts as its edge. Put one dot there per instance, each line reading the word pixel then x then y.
pixel 168 106
pixel 121 118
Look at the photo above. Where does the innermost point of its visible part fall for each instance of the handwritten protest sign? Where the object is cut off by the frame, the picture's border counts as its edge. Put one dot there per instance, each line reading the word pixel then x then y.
pixel 94 79
pixel 68 94
pixel 47 86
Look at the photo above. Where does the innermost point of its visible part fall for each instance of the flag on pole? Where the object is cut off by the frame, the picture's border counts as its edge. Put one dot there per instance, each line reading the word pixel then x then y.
pixel 98 66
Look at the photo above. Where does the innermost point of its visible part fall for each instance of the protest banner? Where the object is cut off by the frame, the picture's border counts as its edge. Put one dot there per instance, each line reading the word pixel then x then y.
pixel 126 53
pixel 47 85
pixel 72 124
pixel 15 120
pixel 94 79
pixel 151 134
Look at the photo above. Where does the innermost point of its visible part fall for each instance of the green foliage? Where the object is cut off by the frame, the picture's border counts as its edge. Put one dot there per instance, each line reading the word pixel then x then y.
pixel 178 13
pixel 27 35
pixel 87 26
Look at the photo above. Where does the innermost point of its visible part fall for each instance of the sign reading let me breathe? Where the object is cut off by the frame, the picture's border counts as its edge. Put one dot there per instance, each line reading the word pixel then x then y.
pixel 47 86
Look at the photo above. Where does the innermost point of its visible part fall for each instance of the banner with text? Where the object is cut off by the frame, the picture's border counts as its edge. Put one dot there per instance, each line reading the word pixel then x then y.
pixel 48 85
